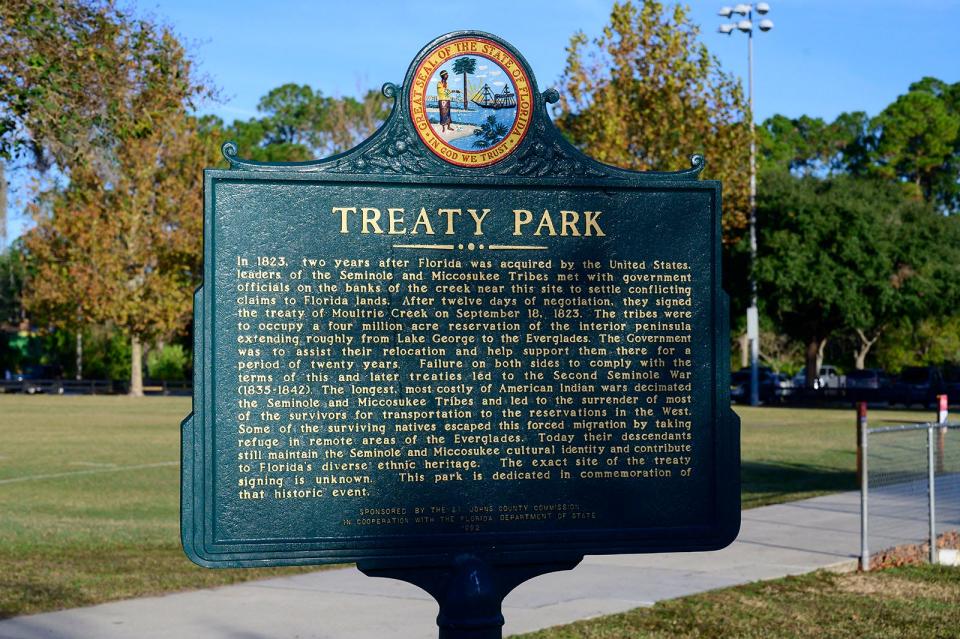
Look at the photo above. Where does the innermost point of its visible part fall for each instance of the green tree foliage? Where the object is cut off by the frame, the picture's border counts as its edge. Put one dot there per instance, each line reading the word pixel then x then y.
pixel 920 278
pixel 852 254
pixel 945 182
pixel 58 78
pixel 918 141
pixel 261 144
pixel 914 140
pixel 295 114
pixel 120 244
pixel 352 121
pixel 301 124
pixel 646 94
pixel 3 203
pixel 64 75
pixel 250 136
pixel 812 146
pixel 169 363
pixel 12 274
pixel 908 161
pixel 105 98
pixel 107 354
pixel 928 341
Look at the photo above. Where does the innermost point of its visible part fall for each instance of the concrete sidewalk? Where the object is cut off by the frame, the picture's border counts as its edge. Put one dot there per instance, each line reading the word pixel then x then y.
pixel 774 541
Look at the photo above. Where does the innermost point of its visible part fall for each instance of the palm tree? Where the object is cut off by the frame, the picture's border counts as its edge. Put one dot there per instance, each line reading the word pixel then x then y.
pixel 489 133
pixel 465 66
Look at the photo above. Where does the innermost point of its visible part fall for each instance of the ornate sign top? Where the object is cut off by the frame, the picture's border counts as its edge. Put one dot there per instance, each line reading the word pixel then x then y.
pixel 468 105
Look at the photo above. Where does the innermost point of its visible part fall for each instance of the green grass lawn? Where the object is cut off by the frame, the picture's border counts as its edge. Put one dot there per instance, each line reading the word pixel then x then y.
pixel 89 492
pixel 912 602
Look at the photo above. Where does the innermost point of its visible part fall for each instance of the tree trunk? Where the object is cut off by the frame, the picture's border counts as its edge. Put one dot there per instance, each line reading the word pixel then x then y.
pixel 813 348
pixel 3 207
pixel 465 107
pixel 79 354
pixel 814 359
pixel 860 361
pixel 865 346
pixel 744 351
pixel 136 370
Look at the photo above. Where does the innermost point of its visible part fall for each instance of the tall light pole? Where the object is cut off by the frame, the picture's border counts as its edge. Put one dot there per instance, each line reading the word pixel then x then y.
pixel 753 324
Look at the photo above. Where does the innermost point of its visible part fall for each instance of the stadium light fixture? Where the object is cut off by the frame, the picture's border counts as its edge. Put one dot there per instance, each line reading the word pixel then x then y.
pixel 746 26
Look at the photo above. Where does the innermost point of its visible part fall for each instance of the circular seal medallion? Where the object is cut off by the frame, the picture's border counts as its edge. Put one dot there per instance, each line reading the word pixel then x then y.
pixel 471 101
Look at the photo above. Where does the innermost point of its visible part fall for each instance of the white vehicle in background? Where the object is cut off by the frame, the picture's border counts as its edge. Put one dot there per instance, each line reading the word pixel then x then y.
pixel 828 377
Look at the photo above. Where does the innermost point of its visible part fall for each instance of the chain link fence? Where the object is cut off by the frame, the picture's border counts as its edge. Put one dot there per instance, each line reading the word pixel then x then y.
pixel 909 486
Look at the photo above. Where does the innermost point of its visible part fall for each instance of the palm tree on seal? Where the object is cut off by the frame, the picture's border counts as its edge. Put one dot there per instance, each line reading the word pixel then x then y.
pixel 489 133
pixel 465 66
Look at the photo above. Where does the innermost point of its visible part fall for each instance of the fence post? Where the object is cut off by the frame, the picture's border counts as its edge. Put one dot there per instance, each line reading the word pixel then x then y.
pixel 932 493
pixel 943 416
pixel 861 424
pixel 862 437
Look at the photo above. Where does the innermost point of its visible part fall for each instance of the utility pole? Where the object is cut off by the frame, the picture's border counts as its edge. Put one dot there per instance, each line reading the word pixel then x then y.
pixel 753 315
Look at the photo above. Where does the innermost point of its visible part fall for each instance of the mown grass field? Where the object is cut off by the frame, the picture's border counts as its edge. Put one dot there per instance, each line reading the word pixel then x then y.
pixel 89 492
pixel 917 602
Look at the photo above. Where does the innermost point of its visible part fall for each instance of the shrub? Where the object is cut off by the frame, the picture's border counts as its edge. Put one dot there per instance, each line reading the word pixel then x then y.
pixel 168 363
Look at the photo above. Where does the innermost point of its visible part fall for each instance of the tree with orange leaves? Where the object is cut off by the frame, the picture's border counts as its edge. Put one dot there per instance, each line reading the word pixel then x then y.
pixel 121 243
pixel 646 94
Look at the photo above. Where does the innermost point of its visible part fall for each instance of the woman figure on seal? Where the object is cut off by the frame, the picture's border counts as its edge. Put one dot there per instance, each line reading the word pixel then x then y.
pixel 443 97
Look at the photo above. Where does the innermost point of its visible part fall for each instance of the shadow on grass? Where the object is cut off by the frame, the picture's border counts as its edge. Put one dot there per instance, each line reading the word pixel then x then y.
pixel 770 482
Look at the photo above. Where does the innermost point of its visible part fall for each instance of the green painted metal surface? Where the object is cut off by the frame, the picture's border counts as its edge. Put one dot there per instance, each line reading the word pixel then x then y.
pixel 508 469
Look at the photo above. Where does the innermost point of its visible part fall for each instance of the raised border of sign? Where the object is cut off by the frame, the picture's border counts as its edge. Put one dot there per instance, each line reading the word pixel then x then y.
pixel 394 154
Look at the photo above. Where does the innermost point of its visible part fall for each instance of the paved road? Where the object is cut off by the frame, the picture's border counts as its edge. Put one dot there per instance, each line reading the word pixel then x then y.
pixel 774 541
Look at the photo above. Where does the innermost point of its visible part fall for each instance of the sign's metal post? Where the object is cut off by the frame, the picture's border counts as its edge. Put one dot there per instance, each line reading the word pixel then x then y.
pixel 932 492
pixel 863 438
pixel 469 589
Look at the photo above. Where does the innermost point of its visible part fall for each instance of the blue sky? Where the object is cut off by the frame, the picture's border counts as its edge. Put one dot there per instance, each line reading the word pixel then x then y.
pixel 822 58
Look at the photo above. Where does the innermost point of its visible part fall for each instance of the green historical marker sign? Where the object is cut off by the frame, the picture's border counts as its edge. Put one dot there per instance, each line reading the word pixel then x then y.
pixel 461 346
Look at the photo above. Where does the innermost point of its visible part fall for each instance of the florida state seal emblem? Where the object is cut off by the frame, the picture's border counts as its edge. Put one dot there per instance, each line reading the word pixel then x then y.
pixel 471 101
